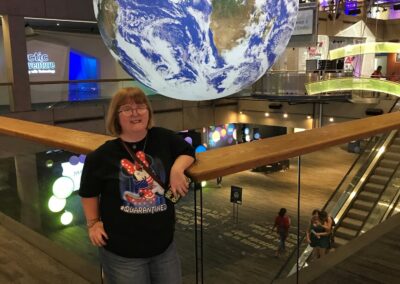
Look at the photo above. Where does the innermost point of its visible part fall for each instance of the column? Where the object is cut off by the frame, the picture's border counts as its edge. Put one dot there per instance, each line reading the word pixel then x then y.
pixel 15 58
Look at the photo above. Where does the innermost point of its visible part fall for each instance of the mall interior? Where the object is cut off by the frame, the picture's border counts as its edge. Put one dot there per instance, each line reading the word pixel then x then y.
pixel 317 130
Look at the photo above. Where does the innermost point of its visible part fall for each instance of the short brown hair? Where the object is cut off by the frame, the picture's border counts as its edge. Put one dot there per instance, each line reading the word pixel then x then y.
pixel 121 97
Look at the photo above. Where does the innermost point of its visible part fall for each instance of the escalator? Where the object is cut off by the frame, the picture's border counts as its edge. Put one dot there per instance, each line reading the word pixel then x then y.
pixel 352 221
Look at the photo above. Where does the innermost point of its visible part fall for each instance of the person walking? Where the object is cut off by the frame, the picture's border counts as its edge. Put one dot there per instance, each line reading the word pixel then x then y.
pixel 282 225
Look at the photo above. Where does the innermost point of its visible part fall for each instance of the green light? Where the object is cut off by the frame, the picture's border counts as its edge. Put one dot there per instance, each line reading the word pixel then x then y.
pixel 56 204
pixel 63 187
pixel 351 84
pixel 364 48
pixel 66 218
pixel 49 163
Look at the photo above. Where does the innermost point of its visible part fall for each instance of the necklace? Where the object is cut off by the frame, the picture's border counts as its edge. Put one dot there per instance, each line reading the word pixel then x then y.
pixel 135 145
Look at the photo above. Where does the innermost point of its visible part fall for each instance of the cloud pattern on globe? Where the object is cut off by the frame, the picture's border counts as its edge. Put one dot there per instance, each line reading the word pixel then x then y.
pixel 196 49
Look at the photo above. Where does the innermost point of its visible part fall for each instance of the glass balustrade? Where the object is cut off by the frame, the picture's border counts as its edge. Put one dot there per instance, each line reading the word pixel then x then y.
pixel 5 91
pixel 235 241
pixel 53 94
pixel 351 189
pixel 291 83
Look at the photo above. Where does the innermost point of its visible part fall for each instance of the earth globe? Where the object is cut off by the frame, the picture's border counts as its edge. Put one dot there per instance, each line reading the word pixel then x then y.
pixel 196 49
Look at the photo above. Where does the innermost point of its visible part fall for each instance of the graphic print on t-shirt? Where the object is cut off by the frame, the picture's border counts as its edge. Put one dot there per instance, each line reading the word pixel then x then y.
pixel 140 194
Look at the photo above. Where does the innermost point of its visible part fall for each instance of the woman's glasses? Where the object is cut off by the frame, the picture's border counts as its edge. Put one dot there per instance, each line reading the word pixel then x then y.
pixel 127 110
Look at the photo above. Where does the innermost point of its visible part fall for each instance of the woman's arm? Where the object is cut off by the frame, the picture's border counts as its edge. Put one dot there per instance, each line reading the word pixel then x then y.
pixel 326 228
pixel 177 180
pixel 97 234
pixel 327 225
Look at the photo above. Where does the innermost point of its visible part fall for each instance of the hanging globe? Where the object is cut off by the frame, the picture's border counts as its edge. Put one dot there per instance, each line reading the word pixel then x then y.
pixel 196 49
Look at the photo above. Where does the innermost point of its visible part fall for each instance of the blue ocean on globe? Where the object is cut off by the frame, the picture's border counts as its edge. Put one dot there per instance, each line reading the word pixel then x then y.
pixel 196 49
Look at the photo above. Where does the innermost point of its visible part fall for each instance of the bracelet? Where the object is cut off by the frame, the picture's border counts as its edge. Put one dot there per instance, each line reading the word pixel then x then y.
pixel 92 222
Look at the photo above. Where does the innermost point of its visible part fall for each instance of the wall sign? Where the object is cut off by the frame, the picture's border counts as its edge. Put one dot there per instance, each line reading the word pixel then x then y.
pixel 236 194
pixel 304 22
pixel 39 63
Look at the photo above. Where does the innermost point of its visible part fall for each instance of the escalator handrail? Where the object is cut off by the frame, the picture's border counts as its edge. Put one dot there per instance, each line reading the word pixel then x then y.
pixel 394 200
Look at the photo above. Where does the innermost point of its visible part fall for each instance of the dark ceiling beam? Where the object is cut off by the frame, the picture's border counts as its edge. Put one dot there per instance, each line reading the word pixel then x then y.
pixel 81 10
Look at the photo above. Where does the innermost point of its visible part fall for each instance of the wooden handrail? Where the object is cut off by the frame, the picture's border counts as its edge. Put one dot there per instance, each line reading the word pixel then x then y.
pixel 221 161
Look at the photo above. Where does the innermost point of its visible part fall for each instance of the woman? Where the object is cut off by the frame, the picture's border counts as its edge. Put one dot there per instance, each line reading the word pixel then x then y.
pixel 312 234
pixel 127 215
pixel 282 224
pixel 325 235
pixel 318 235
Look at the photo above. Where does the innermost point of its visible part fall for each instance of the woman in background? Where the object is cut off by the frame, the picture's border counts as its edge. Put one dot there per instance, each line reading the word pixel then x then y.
pixel 282 225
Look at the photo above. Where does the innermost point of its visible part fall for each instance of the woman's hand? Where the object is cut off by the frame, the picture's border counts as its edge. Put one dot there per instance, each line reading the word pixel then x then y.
pixel 178 182
pixel 97 234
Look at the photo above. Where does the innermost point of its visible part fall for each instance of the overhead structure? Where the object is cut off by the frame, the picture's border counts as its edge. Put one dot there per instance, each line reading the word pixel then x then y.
pixel 364 48
pixel 352 84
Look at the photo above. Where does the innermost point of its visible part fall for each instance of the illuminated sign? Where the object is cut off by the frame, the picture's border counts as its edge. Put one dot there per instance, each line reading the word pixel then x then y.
pixel 39 63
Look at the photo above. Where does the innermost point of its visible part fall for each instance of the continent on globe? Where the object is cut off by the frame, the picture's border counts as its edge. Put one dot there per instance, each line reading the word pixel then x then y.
pixel 196 49
pixel 107 14
pixel 229 19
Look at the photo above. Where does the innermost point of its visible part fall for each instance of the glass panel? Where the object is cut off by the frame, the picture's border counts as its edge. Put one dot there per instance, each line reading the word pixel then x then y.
pixel 357 191
pixel 45 95
pixel 285 83
pixel 321 172
pixel 5 98
pixel 242 249
pixel 30 176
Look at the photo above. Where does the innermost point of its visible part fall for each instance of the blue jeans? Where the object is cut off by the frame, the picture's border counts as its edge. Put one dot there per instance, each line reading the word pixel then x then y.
pixel 282 239
pixel 164 268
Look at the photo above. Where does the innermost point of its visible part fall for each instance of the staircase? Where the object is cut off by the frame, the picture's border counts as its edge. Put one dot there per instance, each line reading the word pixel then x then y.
pixel 353 221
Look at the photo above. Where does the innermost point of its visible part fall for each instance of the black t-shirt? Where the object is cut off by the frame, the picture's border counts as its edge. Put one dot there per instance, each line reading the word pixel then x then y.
pixel 137 218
